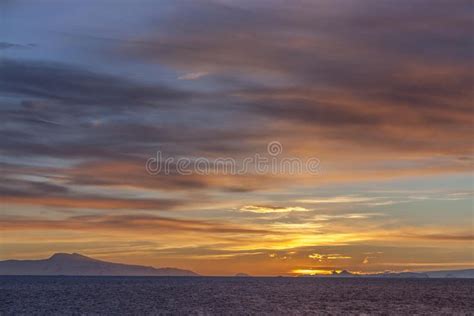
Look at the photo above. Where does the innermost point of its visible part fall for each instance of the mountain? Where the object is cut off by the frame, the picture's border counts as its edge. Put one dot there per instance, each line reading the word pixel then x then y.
pixel 464 274
pixel 467 273
pixel 343 274
pixel 77 264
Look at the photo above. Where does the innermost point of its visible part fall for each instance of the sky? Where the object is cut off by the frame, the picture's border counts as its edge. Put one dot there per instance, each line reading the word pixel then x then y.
pixel 378 93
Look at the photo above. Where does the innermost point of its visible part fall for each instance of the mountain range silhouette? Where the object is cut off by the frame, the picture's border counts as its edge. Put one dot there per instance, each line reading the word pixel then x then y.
pixel 77 264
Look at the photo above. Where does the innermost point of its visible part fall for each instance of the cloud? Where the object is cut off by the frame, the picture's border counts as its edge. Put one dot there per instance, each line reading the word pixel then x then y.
pixel 441 237
pixel 56 195
pixel 367 74
pixel 6 45
pixel 193 75
pixel 324 257
pixel 94 202
pixel 75 86
pixel 272 209
pixel 125 223
pixel 251 35
pixel 337 199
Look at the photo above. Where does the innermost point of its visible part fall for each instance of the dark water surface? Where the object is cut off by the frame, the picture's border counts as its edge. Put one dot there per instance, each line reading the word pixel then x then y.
pixel 224 296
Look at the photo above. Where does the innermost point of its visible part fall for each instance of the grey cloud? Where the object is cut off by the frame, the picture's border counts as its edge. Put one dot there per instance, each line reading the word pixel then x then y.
pixel 398 64
pixel 6 45
pixel 75 86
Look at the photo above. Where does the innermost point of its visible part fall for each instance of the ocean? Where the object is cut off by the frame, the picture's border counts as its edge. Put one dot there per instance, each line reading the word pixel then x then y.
pixel 233 296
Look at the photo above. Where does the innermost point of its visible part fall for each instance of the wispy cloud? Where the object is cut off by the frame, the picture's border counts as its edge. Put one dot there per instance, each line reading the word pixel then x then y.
pixel 332 256
pixel 193 75
pixel 337 199
pixel 272 209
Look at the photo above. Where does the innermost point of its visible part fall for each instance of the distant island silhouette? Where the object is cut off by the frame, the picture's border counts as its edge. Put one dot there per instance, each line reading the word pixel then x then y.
pixel 76 265
pixel 466 274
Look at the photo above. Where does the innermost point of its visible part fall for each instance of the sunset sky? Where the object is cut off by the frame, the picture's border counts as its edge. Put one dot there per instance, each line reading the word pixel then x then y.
pixel 379 91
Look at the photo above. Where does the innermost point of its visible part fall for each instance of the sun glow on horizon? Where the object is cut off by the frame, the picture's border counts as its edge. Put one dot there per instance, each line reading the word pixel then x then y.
pixel 314 271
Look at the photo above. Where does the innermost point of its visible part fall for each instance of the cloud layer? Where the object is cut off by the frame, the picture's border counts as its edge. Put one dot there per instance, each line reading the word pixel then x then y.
pixel 380 92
